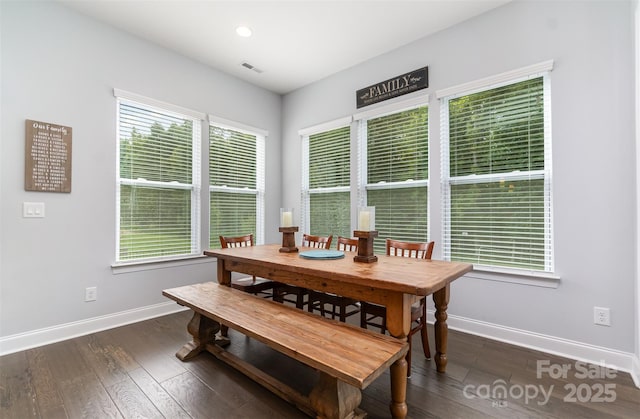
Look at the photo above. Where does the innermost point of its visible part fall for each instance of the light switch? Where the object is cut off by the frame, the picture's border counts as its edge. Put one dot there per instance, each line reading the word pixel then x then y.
pixel 33 209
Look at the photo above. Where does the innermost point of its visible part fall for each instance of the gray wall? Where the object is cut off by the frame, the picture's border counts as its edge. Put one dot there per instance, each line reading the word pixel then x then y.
pixel 61 67
pixel 593 154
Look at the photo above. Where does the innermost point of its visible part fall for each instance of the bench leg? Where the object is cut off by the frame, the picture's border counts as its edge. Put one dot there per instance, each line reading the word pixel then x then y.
pixel 335 399
pixel 203 331
pixel 399 388
pixel 224 331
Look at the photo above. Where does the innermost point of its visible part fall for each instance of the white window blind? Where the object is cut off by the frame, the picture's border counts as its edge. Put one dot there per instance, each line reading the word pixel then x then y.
pixel 158 183
pixel 236 184
pixel 496 166
pixel 326 180
pixel 394 172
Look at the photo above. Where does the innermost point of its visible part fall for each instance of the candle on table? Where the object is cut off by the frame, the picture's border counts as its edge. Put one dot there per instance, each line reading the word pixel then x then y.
pixel 364 221
pixel 366 218
pixel 287 219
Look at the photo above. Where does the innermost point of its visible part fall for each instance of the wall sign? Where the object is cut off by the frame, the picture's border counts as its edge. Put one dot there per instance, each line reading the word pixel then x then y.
pixel 47 157
pixel 397 86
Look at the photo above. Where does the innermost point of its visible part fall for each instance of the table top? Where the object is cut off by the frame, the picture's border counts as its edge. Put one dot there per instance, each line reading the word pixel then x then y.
pixel 393 273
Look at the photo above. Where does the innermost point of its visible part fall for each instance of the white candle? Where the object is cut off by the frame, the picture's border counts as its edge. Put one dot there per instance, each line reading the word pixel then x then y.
pixel 287 219
pixel 363 221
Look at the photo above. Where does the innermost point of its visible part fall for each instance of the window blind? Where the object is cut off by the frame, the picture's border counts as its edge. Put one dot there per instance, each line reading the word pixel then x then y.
pixel 236 184
pixel 496 174
pixel 327 190
pixel 158 183
pixel 396 174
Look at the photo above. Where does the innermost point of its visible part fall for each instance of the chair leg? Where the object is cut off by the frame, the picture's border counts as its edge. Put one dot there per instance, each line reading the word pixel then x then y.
pixel 300 301
pixel 423 333
pixel 408 357
pixel 363 318
pixel 277 295
pixel 310 305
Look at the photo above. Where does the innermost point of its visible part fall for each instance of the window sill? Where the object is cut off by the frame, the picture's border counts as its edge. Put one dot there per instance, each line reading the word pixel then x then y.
pixel 515 276
pixel 146 265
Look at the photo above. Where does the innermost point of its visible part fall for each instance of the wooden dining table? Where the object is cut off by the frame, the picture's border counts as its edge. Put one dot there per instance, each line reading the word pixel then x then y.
pixel 392 281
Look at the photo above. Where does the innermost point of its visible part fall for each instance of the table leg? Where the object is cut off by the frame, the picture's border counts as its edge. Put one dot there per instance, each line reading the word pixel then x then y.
pixel 224 275
pixel 398 325
pixel 203 331
pixel 441 300
pixel 399 315
pixel 399 388
pixel 224 278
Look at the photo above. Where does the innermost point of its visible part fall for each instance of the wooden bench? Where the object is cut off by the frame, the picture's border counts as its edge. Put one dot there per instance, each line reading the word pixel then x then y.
pixel 348 358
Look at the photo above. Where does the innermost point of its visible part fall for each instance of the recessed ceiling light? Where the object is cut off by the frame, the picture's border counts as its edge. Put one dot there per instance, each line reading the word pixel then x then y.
pixel 243 31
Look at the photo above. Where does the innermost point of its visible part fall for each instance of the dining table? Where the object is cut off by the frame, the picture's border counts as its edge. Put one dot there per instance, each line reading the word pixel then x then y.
pixel 392 281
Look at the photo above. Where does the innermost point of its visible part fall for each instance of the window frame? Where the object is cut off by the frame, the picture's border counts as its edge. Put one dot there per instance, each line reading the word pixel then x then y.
pixel 545 276
pixel 128 98
pixel 259 192
pixel 362 153
pixel 306 191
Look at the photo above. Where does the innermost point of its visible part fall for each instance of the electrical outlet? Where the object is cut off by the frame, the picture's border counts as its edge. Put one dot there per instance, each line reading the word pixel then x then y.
pixel 91 294
pixel 602 316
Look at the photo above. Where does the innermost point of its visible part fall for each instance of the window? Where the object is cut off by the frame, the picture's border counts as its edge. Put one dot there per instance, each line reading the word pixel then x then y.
pixel 158 181
pixel 236 183
pixel 496 175
pixel 394 172
pixel 326 191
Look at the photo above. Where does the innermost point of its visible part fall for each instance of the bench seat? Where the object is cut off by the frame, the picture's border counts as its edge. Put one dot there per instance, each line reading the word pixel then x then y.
pixel 342 353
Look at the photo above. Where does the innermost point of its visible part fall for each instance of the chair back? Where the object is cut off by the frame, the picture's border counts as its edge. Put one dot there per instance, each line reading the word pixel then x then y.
pixel 319 242
pixel 421 250
pixel 239 241
pixel 347 244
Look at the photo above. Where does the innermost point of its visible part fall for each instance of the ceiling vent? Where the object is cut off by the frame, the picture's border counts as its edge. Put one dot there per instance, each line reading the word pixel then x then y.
pixel 251 67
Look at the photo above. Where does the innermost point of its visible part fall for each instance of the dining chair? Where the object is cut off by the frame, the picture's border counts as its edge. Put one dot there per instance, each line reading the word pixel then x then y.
pixel 318 242
pixel 376 315
pixel 341 307
pixel 258 286
pixel 292 293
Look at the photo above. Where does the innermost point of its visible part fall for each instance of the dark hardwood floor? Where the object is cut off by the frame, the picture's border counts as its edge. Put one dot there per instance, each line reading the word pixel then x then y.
pixel 131 372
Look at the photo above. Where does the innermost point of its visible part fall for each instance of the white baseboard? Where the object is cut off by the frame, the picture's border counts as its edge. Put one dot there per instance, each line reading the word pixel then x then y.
pixel 618 360
pixel 610 358
pixel 40 337
pixel 635 371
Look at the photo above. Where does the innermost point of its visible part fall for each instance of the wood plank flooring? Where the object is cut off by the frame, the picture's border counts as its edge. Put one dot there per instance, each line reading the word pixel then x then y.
pixel 132 372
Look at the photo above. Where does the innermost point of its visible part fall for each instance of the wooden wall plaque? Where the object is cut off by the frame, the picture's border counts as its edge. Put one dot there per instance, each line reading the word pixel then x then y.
pixel 47 157
pixel 397 86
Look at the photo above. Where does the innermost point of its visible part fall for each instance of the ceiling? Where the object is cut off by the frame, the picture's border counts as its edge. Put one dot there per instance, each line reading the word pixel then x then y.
pixel 294 43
